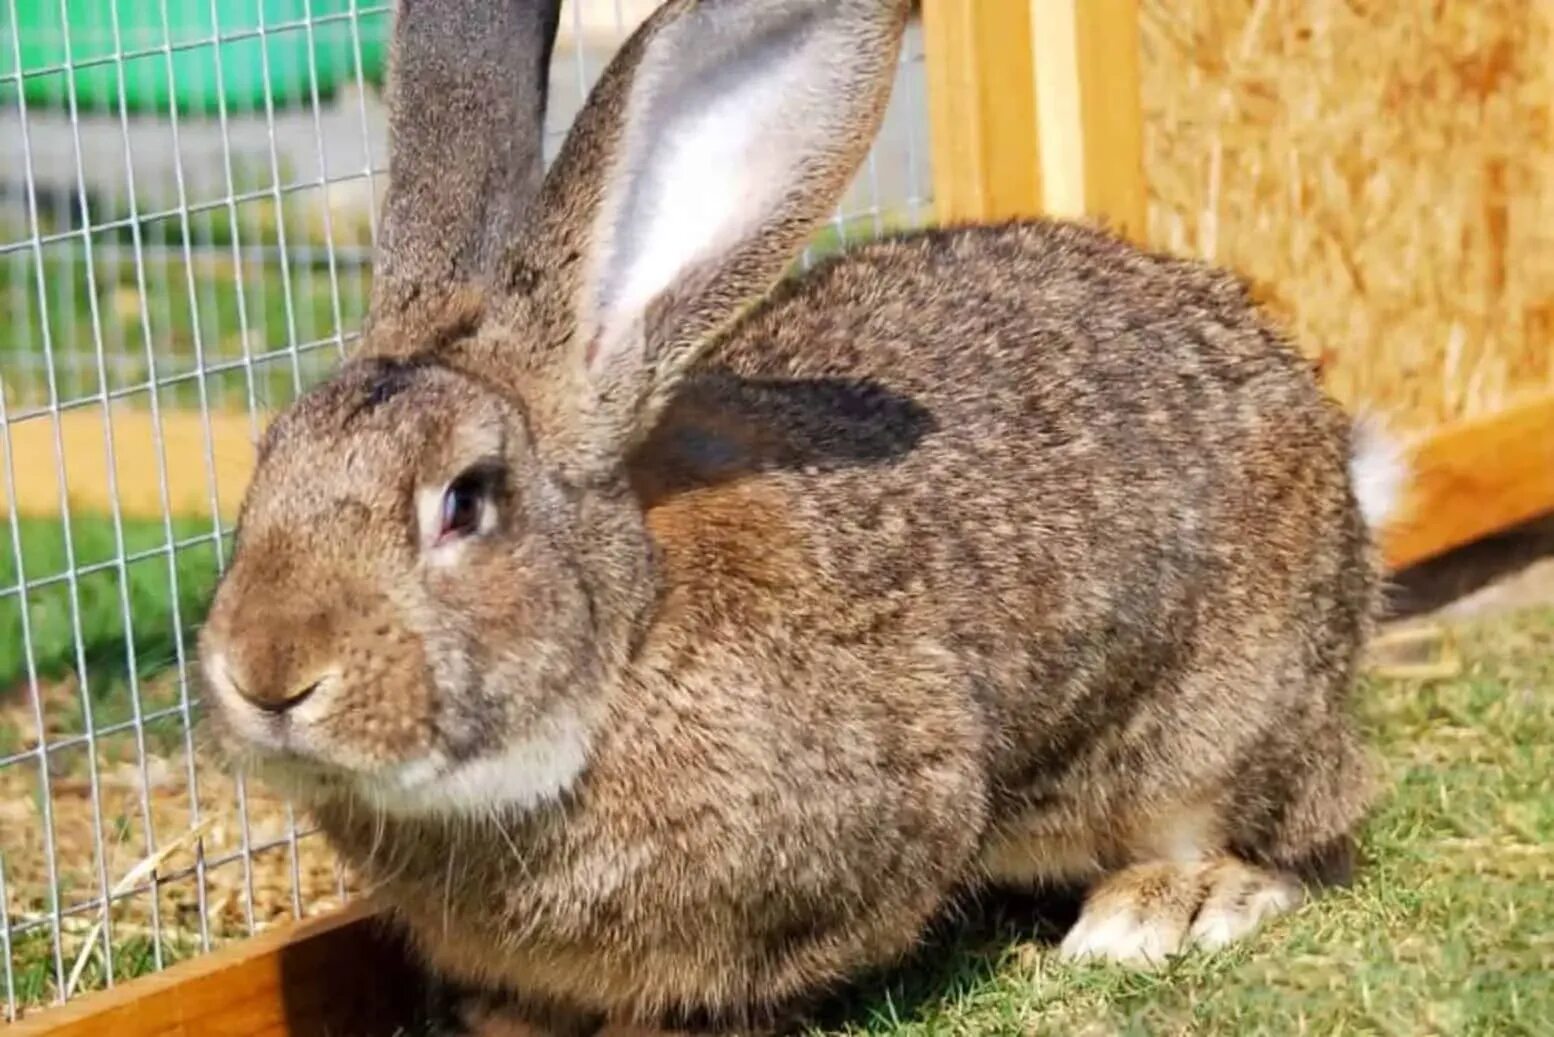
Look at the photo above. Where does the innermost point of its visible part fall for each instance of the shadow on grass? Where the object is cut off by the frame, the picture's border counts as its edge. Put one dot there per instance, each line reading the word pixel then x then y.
pixel 960 955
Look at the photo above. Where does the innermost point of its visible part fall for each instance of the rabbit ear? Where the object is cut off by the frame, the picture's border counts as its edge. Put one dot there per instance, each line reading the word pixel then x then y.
pixel 467 95
pixel 719 137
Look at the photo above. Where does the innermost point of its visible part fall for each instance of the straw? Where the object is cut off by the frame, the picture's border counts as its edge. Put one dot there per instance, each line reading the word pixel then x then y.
pixel 1381 171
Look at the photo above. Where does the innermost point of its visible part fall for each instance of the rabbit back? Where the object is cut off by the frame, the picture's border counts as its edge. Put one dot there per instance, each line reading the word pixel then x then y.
pixel 1098 479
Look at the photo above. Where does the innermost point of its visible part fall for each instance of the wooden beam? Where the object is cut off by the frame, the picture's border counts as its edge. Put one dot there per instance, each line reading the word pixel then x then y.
pixel 338 974
pixel 981 109
pixel 1473 479
pixel 1034 108
pixel 1089 114
pixel 190 445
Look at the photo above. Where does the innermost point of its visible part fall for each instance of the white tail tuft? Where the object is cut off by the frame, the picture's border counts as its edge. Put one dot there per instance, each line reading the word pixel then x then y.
pixel 1378 470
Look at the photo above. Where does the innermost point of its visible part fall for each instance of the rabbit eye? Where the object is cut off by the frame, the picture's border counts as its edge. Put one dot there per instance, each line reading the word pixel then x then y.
pixel 463 506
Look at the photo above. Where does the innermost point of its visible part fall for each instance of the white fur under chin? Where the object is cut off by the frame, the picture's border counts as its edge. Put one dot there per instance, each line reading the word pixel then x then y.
pixel 536 771
pixel 1378 470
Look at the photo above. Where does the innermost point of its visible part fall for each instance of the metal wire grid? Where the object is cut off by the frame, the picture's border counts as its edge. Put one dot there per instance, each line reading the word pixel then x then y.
pixel 211 263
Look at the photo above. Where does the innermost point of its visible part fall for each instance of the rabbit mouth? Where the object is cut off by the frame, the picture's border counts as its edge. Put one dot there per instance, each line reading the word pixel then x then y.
pixel 530 773
pixel 538 768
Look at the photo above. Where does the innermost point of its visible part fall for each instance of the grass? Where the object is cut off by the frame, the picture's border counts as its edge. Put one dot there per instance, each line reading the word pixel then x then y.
pixel 132 957
pixel 177 295
pixel 107 651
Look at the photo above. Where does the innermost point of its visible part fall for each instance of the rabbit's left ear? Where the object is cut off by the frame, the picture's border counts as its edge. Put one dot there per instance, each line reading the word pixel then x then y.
pixel 717 140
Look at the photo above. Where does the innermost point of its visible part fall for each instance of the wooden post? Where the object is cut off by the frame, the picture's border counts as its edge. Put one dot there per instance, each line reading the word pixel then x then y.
pixel 1034 108
pixel 1088 110
pixel 981 109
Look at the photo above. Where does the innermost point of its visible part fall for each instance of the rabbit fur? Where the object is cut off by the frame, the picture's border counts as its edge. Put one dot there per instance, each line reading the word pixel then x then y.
pixel 770 620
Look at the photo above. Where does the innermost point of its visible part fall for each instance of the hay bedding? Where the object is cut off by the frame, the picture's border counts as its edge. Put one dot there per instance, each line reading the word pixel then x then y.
pixel 317 883
pixel 1382 170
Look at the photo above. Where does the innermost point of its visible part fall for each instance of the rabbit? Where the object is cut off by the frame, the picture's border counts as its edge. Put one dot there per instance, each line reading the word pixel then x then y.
pixel 669 641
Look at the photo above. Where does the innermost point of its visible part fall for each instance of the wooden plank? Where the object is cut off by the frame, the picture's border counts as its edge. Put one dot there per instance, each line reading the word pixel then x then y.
pixel 340 974
pixel 190 445
pixel 1089 115
pixel 1475 478
pixel 1470 479
pixel 981 109
pixel 1034 108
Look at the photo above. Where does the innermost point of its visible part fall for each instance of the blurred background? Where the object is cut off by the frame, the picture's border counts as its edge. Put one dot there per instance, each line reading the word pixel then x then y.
pixel 187 204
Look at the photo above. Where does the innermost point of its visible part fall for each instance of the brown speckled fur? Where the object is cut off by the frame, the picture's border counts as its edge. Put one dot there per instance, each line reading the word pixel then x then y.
pixel 972 543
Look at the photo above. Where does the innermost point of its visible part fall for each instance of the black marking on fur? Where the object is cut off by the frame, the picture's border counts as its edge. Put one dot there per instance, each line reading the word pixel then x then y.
pixel 391 378
pixel 523 277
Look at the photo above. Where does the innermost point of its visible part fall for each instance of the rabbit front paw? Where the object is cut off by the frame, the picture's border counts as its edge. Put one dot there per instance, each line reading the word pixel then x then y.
pixel 1148 912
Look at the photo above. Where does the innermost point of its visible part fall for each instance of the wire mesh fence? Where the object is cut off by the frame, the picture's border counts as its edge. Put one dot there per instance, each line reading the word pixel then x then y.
pixel 187 204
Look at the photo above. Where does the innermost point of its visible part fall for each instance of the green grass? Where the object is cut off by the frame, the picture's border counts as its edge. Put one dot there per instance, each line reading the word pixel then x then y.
pixel 132 957
pixel 206 305
pixel 95 606
pixel 202 301
pixel 834 237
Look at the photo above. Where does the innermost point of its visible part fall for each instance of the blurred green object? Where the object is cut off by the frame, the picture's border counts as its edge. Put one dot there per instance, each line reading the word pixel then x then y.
pixel 273 47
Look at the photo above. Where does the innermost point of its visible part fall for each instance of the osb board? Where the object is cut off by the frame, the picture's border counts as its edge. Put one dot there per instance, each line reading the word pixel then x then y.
pixel 338 974
pixel 1384 172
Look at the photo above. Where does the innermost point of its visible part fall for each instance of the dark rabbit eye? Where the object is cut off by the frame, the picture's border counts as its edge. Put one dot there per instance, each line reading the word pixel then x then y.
pixel 462 506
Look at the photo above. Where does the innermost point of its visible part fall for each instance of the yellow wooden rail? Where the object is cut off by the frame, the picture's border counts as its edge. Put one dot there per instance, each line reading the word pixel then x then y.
pixel 1475 478
pixel 338 974
pixel 205 461
pixel 1034 108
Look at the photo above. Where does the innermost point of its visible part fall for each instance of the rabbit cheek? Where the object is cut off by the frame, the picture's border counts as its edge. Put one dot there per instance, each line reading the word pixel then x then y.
pixel 508 651
pixel 385 712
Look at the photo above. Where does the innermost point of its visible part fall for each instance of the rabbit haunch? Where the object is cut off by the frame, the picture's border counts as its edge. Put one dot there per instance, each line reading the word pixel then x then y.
pixel 666 644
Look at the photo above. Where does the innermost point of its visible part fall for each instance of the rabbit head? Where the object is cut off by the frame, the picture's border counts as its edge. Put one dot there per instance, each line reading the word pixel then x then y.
pixel 441 564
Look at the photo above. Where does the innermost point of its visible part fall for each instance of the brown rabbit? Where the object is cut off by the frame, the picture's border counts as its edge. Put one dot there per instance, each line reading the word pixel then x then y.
pixel 670 647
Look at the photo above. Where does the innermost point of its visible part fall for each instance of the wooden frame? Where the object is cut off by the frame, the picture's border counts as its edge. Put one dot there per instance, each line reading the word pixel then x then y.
pixel 338 974
pixel 1034 107
pixel 1475 478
